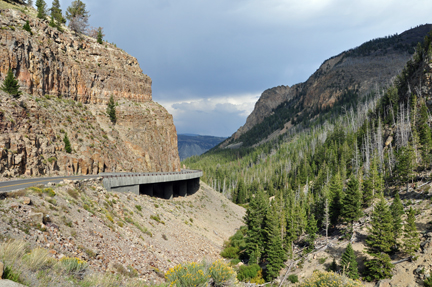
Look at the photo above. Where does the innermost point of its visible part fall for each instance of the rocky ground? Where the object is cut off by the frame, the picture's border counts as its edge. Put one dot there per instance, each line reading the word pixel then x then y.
pixel 120 231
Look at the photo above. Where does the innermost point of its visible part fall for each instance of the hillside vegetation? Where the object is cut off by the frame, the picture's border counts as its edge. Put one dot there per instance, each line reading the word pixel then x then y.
pixel 326 177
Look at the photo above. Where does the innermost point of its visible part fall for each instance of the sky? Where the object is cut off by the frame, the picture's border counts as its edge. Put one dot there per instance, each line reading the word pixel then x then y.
pixel 210 60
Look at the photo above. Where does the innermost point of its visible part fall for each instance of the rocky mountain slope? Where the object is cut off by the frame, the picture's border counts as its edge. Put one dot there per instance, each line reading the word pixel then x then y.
pixel 114 232
pixel 67 81
pixel 341 78
pixel 190 145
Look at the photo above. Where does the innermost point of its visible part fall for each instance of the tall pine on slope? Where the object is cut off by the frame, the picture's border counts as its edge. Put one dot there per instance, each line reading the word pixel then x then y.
pixel 380 241
pixel 396 209
pixel 373 184
pixel 56 12
pixel 336 197
pixel 311 230
pixel 349 263
pixel 275 255
pixel 425 135
pixel 41 9
pixel 351 208
pixel 254 219
pixel 411 241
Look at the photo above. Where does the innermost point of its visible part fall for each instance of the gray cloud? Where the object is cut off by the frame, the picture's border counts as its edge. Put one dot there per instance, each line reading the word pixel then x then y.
pixel 200 49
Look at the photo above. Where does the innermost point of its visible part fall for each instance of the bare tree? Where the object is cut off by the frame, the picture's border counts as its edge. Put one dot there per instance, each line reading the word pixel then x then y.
pixel 79 24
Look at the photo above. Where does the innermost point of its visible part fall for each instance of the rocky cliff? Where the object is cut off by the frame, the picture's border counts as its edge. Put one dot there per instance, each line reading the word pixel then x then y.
pixel 355 72
pixel 67 81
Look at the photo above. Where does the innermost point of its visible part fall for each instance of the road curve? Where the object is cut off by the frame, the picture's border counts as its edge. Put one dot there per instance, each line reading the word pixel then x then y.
pixel 6 186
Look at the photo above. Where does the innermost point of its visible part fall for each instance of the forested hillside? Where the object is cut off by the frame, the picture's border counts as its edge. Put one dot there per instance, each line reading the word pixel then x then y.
pixel 324 176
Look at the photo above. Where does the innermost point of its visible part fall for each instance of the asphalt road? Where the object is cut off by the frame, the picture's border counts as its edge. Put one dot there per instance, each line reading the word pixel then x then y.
pixel 24 183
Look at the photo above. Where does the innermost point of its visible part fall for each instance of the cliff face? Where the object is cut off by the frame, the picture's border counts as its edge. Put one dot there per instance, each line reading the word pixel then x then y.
pixel 67 82
pixel 361 70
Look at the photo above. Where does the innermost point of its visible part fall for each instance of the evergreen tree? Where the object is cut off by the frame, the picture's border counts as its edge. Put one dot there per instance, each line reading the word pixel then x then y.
pixel 351 208
pixel 11 86
pixel 275 255
pixel 373 184
pixel 99 36
pixel 254 219
pixel 425 135
pixel 67 144
pixel 336 198
pixel 27 27
pixel 396 209
pixel 411 236
pixel 56 12
pixel 111 110
pixel 381 237
pixel 240 193
pixel 379 242
pixel 378 268
pixel 311 230
pixel 41 9
pixel 77 8
pixel 349 263
pixel 405 163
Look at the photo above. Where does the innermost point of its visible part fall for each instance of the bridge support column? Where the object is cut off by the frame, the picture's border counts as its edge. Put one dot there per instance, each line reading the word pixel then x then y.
pixel 183 188
pixel 146 189
pixel 168 190
pixel 192 186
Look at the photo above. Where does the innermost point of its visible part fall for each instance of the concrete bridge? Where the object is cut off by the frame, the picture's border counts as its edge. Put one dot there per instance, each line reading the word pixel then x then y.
pixel 161 184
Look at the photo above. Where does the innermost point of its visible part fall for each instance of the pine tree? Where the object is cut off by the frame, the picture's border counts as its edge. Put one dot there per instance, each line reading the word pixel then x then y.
pixel 56 12
pixel 240 193
pixel 373 184
pixel 349 263
pixel 111 110
pixel 351 208
pixel 77 8
pixel 405 163
pixel 254 219
pixel 425 135
pixel 336 198
pixel 411 236
pixel 381 238
pixel 67 144
pixel 274 253
pixel 311 230
pixel 11 86
pixel 396 209
pixel 378 268
pixel 41 9
pixel 99 35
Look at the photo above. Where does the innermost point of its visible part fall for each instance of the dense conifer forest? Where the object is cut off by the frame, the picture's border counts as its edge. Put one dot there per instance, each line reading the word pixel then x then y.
pixel 322 176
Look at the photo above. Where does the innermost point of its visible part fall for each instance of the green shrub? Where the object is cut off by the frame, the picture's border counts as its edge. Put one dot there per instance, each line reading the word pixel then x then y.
pixel 49 191
pixel 246 273
pixel 235 262
pixel 12 275
pixel 67 144
pixel 428 282
pixel 230 252
pixel 293 278
pixel 138 207
pixel 222 274
pixel 186 275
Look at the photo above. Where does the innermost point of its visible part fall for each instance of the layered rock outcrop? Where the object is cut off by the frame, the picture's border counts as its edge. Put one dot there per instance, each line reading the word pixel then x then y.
pixel 364 69
pixel 67 81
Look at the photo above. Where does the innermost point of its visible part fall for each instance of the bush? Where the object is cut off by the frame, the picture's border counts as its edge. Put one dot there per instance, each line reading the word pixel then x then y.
pixel 293 278
pixel 230 252
pixel 222 274
pixel 428 282
pixel 10 85
pixel 246 273
pixel 27 27
pixel 73 266
pixel 138 207
pixel 329 279
pixel 186 275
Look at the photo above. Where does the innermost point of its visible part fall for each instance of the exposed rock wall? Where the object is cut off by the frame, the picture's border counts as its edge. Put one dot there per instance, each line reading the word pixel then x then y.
pixel 347 71
pixel 67 82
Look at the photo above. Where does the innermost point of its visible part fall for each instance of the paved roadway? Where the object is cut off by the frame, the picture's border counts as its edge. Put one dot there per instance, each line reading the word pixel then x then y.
pixel 24 183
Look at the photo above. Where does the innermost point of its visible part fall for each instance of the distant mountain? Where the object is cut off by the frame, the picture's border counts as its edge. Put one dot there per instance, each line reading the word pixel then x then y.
pixel 340 81
pixel 192 144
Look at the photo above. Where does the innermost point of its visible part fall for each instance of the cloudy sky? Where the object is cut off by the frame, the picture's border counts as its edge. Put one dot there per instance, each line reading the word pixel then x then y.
pixel 211 59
